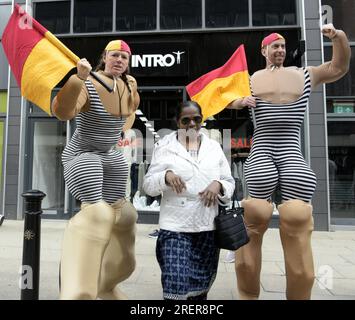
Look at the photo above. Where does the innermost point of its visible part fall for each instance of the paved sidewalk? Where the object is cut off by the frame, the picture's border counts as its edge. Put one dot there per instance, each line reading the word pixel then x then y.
pixel 334 255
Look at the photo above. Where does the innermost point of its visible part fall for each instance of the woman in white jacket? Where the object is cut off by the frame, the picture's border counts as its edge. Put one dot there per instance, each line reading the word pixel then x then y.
pixel 192 174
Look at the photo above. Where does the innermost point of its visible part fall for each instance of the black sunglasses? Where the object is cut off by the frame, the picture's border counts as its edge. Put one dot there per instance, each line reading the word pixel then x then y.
pixel 186 120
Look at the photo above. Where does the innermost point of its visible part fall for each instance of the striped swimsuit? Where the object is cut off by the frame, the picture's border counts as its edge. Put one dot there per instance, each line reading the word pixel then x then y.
pixel 275 157
pixel 93 169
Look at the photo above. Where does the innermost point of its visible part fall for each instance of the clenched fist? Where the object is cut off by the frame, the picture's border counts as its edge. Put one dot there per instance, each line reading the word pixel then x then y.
pixel 84 68
pixel 329 31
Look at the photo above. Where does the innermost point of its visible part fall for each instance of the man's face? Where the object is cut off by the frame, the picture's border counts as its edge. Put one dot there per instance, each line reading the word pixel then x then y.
pixel 275 52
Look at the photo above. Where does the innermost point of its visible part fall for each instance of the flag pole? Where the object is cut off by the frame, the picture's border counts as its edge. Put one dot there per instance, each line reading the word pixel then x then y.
pixel 73 57
pixel 99 80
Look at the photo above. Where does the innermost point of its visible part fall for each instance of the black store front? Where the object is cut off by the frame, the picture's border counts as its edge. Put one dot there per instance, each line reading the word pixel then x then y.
pixel 163 65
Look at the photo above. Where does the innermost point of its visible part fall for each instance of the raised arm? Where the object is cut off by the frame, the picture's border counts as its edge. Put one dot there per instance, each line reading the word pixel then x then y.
pixel 339 65
pixel 73 96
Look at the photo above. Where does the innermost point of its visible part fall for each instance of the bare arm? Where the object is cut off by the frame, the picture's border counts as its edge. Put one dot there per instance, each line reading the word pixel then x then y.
pixel 339 65
pixel 242 102
pixel 73 96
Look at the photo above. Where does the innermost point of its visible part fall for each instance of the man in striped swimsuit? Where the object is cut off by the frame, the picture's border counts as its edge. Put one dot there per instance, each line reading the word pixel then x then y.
pixel 279 98
pixel 98 244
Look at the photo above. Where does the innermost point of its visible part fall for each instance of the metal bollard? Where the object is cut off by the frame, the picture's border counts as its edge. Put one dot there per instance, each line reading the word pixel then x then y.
pixel 29 281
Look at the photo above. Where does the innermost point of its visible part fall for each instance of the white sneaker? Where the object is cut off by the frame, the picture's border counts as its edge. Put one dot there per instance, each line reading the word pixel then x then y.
pixel 230 257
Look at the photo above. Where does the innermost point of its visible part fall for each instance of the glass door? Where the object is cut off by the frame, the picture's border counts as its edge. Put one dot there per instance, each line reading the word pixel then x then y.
pixel 341 152
pixel 2 126
pixel 45 144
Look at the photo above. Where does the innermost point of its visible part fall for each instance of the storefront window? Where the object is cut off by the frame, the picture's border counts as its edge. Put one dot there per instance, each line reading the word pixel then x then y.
pixel 273 13
pixel 5 12
pixel 47 169
pixel 341 140
pixel 341 14
pixel 1 151
pixel 136 15
pixel 3 101
pixel 93 15
pixel 226 13
pixel 344 86
pixel 55 16
pixel 180 14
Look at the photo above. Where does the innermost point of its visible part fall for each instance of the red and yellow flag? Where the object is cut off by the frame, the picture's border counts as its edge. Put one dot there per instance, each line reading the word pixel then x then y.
pixel 37 58
pixel 216 89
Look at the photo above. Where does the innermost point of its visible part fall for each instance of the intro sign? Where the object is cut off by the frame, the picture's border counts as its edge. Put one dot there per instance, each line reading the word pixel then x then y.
pixel 160 59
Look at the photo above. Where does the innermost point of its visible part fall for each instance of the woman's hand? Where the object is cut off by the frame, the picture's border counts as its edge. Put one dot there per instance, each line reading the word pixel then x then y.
pixel 174 181
pixel 210 194
pixel 84 68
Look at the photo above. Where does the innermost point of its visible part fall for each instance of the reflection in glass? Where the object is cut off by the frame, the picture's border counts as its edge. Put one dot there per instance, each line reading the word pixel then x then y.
pixel 272 13
pixel 47 170
pixel 1 151
pixel 55 16
pixel 344 86
pixel 136 15
pixel 180 14
pixel 341 140
pixel 93 15
pixel 226 13
pixel 341 14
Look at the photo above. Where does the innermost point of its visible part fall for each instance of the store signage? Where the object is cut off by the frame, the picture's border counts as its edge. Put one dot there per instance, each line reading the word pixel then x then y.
pixel 343 107
pixel 156 60
pixel 241 143
pixel 160 59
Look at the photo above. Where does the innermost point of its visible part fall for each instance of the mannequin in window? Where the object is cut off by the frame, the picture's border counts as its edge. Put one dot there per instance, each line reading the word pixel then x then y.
pixel 128 147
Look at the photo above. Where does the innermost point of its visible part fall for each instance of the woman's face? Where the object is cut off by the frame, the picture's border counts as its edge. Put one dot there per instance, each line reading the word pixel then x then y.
pixel 116 62
pixel 190 118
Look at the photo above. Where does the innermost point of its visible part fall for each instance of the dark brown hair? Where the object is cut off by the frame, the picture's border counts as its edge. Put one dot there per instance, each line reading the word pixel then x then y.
pixel 187 104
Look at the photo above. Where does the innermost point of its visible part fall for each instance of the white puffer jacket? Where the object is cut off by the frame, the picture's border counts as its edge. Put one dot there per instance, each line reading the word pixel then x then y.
pixel 186 212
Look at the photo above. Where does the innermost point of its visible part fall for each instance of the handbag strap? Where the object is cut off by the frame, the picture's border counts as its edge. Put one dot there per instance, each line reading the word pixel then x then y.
pixel 234 198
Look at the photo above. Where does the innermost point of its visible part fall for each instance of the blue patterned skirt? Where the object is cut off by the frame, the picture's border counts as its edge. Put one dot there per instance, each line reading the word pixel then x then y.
pixel 188 262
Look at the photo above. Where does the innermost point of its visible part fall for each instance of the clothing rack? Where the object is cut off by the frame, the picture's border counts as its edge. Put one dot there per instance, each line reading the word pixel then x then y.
pixel 240 155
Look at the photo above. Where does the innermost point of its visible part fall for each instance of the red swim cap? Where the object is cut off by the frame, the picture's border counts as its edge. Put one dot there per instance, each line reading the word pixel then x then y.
pixel 271 38
pixel 119 45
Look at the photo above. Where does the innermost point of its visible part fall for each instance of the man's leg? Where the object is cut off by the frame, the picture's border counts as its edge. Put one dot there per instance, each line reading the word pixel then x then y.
pixel 296 226
pixel 85 240
pixel 119 258
pixel 257 215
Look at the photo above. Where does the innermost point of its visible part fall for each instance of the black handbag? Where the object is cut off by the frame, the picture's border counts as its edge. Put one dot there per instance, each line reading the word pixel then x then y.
pixel 231 232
